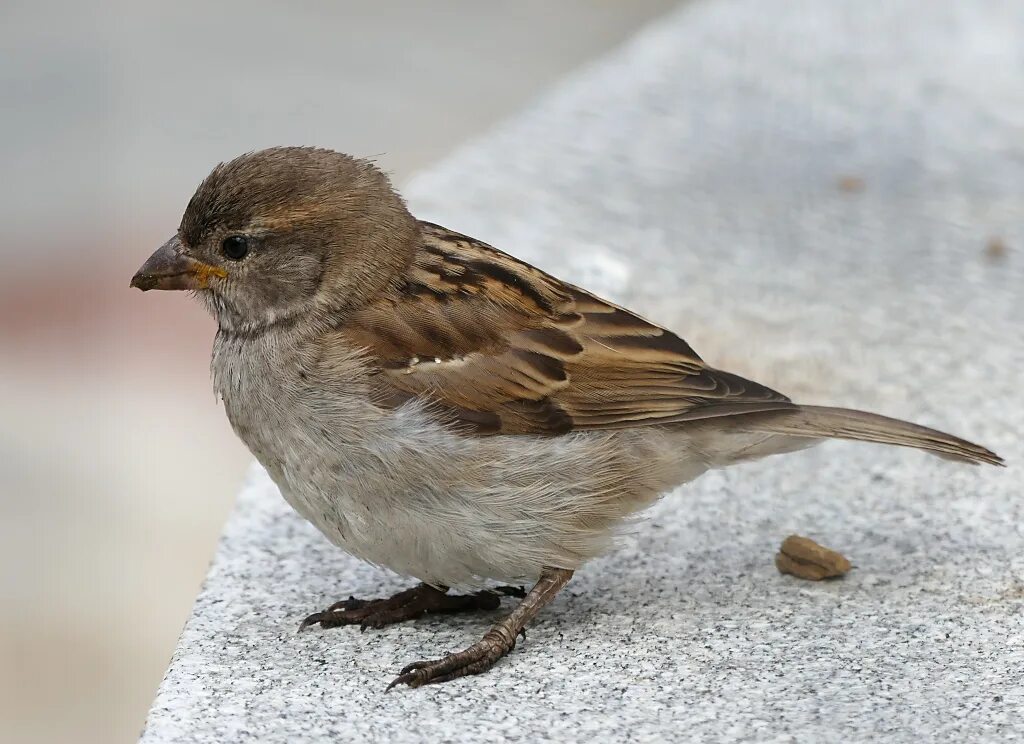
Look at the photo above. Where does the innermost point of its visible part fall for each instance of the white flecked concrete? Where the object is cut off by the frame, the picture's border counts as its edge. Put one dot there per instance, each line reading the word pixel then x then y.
pixel 696 175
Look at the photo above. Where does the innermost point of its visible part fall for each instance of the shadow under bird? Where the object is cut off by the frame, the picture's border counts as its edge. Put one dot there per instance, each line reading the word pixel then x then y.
pixel 437 407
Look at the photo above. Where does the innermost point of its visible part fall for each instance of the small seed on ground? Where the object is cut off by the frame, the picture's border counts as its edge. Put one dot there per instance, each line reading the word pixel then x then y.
pixel 805 559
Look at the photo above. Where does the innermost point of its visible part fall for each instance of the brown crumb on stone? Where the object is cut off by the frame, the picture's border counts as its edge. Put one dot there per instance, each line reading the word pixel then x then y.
pixel 805 559
pixel 850 184
pixel 996 249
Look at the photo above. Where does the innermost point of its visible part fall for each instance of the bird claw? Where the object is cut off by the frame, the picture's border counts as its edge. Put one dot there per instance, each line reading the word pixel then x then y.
pixel 476 659
pixel 406 605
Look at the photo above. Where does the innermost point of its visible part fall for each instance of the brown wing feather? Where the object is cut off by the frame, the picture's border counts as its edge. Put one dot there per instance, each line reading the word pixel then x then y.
pixel 506 348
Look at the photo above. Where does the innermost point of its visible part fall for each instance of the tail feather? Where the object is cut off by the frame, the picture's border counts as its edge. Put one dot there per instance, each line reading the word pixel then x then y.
pixel 844 423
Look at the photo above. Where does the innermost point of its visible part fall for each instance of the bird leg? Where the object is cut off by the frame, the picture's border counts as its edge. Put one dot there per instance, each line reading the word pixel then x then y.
pixel 407 605
pixel 497 641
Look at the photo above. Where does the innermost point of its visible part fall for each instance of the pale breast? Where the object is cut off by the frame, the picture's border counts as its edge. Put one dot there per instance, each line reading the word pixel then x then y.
pixel 398 488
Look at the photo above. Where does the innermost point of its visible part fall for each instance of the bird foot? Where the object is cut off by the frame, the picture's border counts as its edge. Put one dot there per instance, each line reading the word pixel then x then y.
pixel 407 605
pixel 476 659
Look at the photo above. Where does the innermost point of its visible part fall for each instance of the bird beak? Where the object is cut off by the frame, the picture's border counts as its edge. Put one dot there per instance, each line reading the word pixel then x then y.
pixel 170 268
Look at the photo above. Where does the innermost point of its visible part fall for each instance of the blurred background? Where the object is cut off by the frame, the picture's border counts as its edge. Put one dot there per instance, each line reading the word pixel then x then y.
pixel 117 466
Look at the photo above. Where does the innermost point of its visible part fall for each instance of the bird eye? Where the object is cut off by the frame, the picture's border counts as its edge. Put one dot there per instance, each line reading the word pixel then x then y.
pixel 235 247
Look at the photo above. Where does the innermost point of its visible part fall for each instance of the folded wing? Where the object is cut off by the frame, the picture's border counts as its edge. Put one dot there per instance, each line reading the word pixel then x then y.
pixel 505 348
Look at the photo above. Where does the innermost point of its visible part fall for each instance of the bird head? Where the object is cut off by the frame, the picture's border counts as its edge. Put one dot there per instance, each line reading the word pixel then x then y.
pixel 286 233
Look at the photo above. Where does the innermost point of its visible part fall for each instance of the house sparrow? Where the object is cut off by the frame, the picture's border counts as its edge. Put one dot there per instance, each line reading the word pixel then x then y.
pixel 436 406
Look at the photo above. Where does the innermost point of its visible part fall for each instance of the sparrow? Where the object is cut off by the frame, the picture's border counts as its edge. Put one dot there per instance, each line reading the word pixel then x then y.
pixel 439 408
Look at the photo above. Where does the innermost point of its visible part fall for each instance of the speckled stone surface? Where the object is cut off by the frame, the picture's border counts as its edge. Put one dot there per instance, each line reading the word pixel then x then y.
pixel 805 191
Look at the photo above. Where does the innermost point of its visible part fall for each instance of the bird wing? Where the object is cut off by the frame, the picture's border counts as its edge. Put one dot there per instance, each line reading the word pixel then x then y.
pixel 505 348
